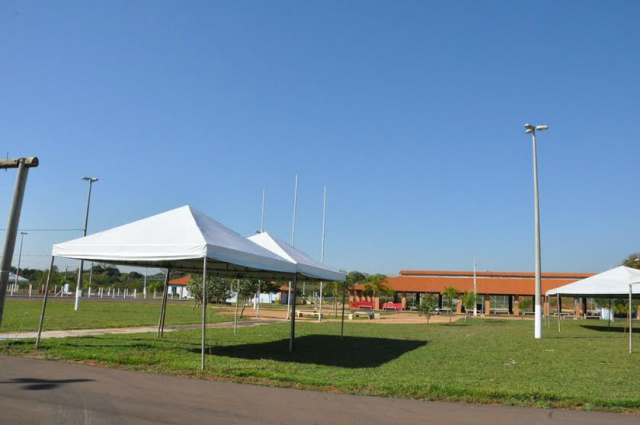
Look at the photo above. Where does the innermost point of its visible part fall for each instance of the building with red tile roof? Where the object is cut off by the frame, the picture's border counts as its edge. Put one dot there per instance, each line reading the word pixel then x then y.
pixel 499 291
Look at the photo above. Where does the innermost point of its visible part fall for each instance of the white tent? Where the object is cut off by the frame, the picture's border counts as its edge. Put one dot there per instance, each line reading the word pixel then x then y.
pixel 12 279
pixel 180 239
pixel 621 282
pixel 305 266
pixel 613 283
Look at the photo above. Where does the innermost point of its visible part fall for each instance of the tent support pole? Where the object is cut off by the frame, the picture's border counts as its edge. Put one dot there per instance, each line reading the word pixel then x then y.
pixel 289 302
pixel 344 291
pixel 609 317
pixel 235 314
pixel 258 298
pixel 558 299
pixel 293 316
pixel 630 322
pixel 320 306
pixel 204 311
pixel 44 303
pixel 163 305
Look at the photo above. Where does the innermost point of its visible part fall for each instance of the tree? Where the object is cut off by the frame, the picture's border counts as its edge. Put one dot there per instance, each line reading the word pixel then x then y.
pixel 469 300
pixel 524 304
pixel 218 289
pixel 354 277
pixel 632 261
pixel 451 294
pixel 247 289
pixel 428 304
pixel 377 284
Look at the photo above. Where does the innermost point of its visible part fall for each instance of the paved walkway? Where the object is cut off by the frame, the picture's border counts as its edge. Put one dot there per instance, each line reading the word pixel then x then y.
pixel 131 330
pixel 43 392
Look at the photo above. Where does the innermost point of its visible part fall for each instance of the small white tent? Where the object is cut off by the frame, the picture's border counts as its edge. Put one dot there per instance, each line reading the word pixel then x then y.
pixel 305 266
pixel 621 282
pixel 613 283
pixel 12 279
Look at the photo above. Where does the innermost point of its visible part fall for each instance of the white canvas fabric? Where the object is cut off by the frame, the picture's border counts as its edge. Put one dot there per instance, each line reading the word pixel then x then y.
pixel 12 279
pixel 612 283
pixel 180 239
pixel 304 264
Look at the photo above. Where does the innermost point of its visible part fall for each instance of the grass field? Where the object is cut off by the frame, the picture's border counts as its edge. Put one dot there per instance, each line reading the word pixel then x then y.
pixel 487 361
pixel 23 315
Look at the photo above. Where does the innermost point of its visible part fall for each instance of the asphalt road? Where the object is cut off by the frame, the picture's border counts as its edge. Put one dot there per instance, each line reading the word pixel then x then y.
pixel 42 392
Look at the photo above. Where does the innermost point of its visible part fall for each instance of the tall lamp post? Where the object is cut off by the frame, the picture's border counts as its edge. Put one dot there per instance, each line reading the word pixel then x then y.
pixel 19 258
pixel 531 129
pixel 91 181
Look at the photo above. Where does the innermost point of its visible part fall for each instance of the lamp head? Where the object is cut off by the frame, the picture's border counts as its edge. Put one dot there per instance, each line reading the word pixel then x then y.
pixel 542 127
pixel 90 179
pixel 528 128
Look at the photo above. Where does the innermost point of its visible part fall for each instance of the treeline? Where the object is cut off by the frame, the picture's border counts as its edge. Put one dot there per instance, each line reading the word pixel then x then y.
pixel 99 275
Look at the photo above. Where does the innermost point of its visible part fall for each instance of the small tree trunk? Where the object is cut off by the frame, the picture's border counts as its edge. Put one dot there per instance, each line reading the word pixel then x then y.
pixel 244 304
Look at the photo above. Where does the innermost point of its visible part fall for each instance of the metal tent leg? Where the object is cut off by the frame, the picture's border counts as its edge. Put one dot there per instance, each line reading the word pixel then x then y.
pixel 163 307
pixel 344 292
pixel 204 312
pixel 44 303
pixel 293 315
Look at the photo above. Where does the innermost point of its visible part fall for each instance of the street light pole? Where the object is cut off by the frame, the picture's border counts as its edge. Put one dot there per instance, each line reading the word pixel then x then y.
pixel 19 257
pixel 91 181
pixel 531 129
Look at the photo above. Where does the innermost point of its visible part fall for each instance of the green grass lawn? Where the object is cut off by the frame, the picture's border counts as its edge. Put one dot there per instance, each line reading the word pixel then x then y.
pixel 486 361
pixel 23 315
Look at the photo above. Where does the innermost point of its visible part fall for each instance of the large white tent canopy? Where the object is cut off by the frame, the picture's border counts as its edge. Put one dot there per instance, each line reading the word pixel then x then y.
pixel 613 283
pixel 178 239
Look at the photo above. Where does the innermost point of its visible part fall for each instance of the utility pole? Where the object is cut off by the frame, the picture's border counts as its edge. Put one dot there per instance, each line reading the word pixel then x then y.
pixel 23 165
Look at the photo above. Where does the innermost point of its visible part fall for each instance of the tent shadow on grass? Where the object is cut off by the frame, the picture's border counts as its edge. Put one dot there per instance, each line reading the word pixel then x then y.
pixel 326 350
pixel 615 329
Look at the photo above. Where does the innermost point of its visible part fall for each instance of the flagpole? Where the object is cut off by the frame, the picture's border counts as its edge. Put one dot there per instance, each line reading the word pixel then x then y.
pixel 293 240
pixel 324 223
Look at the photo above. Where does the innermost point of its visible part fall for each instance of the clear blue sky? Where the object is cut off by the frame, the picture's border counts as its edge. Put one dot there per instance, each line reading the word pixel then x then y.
pixel 412 113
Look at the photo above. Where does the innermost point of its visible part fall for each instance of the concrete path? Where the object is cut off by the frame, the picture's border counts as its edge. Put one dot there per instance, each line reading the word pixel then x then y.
pixel 131 330
pixel 42 392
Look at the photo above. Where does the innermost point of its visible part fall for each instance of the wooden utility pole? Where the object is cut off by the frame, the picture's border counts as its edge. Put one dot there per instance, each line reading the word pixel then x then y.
pixel 23 165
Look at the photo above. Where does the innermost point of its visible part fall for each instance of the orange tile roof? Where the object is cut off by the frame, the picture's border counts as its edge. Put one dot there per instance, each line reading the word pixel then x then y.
pixel 495 283
pixel 492 274
pixel 181 281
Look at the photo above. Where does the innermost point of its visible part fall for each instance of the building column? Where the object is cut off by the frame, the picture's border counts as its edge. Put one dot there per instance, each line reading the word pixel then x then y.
pixel 546 306
pixel 584 306
pixel 404 300
pixel 439 300
pixel 459 307
pixel 376 303
pixel 510 304
pixel 487 305
pixel 516 305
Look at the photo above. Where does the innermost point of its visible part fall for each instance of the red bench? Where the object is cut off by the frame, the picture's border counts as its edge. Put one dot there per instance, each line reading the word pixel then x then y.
pixel 362 305
pixel 393 306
